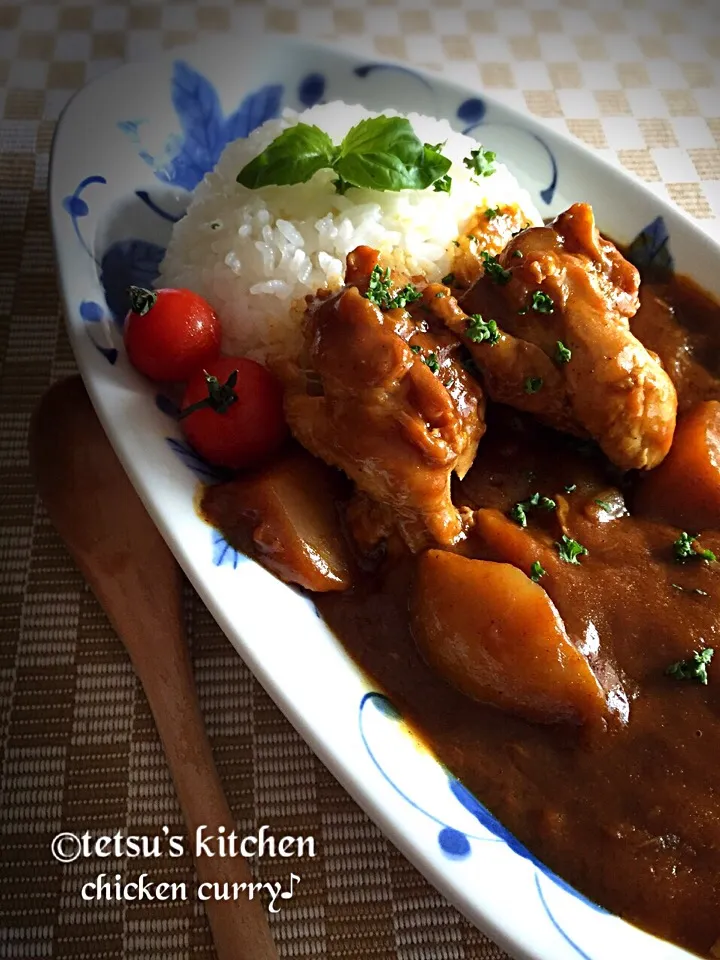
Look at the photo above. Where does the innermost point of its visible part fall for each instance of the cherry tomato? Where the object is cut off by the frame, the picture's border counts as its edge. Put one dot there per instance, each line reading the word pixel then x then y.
pixel 232 412
pixel 169 334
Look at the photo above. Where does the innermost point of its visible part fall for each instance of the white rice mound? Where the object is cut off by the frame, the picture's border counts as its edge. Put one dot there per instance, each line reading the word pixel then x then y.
pixel 255 254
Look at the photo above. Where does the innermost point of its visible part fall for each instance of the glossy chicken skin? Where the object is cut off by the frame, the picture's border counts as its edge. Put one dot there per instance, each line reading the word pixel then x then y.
pixel 508 364
pixel 364 401
pixel 611 388
pixel 488 231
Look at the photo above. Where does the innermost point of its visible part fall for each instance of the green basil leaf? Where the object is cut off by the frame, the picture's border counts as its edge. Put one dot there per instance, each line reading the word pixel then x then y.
pixel 383 135
pixel 391 170
pixel 380 153
pixel 434 166
pixel 384 153
pixel 293 157
pixel 377 171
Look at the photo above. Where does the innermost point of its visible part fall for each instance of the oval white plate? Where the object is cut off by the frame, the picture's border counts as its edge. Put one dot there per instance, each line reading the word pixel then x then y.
pixel 127 150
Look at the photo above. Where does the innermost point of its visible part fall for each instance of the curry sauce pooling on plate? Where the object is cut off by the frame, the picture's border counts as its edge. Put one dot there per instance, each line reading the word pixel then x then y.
pixel 504 492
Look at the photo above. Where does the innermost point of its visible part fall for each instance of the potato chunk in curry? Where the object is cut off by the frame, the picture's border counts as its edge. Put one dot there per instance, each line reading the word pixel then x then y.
pixel 286 513
pixel 685 489
pixel 497 637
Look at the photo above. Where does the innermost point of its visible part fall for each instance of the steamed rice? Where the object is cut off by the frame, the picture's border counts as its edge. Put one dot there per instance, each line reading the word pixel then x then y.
pixel 255 254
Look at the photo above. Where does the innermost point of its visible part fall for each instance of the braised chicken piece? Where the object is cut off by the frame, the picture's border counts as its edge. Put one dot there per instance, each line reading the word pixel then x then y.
pixel 562 297
pixel 514 371
pixel 383 397
pixel 488 231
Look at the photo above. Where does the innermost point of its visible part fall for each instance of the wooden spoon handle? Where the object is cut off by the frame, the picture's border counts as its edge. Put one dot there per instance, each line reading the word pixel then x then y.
pixel 136 579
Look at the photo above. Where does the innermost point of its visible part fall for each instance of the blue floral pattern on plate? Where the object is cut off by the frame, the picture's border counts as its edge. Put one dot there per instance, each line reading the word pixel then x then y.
pixel 454 843
pixel 471 112
pixel 365 69
pixel 224 553
pixel 205 129
pixel 145 198
pixel 650 250
pixel 311 90
pixel 205 133
pixel 204 471
pixel 97 328
pixel 77 207
pixel 124 264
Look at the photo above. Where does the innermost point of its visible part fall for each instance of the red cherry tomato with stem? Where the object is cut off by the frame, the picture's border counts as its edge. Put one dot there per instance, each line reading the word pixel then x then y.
pixel 232 413
pixel 169 334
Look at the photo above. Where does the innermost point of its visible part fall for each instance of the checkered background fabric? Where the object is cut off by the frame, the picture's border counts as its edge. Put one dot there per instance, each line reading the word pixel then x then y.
pixel 636 80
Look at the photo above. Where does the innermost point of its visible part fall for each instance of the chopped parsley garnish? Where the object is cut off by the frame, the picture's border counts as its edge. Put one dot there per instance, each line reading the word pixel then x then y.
pixel 443 184
pixel 533 384
pixel 431 361
pixel 415 348
pixel 517 253
pixel 440 294
pixel 408 294
pixel 570 488
pixel 562 354
pixel 544 503
pixel 456 243
pixel 569 549
pixel 520 511
pixel 694 668
pixel 479 330
pixel 607 507
pixel 537 570
pixel 378 291
pixel 448 279
pixel 379 285
pixel 542 302
pixel 695 590
pixel 686 548
pixel 481 162
pixel 518 514
pixel 493 269
pixel 492 212
pixel 215 225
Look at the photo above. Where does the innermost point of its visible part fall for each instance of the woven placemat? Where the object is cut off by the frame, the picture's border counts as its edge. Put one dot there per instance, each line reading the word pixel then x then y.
pixel 639 81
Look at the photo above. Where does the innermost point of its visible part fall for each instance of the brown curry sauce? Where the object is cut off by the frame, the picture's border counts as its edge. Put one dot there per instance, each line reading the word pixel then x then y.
pixel 631 817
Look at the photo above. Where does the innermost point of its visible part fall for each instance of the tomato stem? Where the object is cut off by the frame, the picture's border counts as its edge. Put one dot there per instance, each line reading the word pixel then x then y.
pixel 221 396
pixel 141 300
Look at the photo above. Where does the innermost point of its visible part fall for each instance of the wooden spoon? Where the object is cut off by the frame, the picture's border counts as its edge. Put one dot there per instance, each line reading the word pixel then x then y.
pixel 136 579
